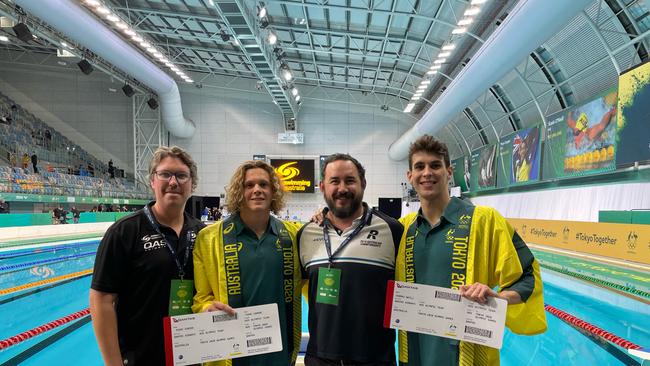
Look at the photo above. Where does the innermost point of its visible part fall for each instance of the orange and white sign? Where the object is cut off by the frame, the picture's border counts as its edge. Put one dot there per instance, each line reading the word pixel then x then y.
pixel 622 241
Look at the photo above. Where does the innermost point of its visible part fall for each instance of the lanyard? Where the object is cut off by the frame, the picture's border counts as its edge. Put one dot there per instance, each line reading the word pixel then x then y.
pixel 326 235
pixel 188 250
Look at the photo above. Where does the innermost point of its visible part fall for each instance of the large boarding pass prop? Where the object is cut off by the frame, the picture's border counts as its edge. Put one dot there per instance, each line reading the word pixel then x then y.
pixel 443 312
pixel 211 336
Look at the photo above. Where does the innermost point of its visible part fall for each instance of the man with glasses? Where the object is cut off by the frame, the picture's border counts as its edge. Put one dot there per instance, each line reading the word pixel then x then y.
pixel 143 269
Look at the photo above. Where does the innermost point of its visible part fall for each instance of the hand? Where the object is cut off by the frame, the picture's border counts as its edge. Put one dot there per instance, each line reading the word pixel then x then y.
pixel 318 217
pixel 477 292
pixel 217 305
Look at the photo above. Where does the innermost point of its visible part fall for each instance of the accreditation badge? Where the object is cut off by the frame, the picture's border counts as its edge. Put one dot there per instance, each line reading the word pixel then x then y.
pixel 180 297
pixel 329 284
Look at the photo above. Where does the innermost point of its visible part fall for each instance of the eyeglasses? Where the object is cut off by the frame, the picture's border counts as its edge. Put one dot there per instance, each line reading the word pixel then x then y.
pixel 181 177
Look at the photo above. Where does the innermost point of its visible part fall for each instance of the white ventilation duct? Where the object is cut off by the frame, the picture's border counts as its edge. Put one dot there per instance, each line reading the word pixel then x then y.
pixel 75 22
pixel 529 24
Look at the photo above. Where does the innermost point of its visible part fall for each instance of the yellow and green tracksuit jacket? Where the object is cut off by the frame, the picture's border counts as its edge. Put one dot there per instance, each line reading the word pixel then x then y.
pixel 492 260
pixel 211 282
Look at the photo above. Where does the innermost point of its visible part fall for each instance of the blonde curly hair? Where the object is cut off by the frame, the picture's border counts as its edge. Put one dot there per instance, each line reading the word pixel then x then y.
pixel 235 189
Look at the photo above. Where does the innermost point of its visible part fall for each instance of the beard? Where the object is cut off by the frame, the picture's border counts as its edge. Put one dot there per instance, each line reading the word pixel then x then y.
pixel 347 210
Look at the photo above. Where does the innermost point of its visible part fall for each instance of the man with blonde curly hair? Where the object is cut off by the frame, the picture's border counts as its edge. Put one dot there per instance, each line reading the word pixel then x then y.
pixel 250 259
pixel 143 262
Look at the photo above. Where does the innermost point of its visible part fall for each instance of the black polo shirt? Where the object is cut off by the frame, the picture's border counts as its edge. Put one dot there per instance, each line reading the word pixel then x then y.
pixel 134 262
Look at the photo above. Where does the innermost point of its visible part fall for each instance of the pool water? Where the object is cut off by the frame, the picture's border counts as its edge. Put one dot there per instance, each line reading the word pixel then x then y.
pixel 74 343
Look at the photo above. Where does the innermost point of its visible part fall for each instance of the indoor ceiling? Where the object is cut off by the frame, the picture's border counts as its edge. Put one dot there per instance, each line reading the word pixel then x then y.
pixel 376 53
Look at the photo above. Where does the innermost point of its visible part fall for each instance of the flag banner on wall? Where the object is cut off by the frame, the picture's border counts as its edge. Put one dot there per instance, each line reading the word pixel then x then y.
pixel 483 172
pixel 461 168
pixel 633 120
pixel 582 140
pixel 519 157
pixel 297 175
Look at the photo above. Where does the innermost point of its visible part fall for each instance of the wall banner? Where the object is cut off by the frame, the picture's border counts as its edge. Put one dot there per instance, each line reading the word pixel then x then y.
pixel 621 241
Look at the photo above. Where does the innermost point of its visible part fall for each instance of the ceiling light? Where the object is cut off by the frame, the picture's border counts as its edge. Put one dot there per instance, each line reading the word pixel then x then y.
pixel 297 98
pixel 425 82
pixel 151 50
pixel 235 41
pixel 409 107
pixel 137 38
pixel 444 54
pixel 121 25
pixel 448 47
pixel 129 32
pixel 472 11
pixel 435 67
pixel 145 44
pixel 432 72
pixel 440 61
pixel 476 2
pixel 262 12
pixel 286 74
pixel 4 39
pixel 64 44
pixel 272 38
pixel 465 21
pixel 169 64
pixel 92 2
pixel 112 17
pixel 294 91
pixel 102 10
pixel 415 98
pixel 211 2
pixel 174 68
pixel 422 88
pixel 459 30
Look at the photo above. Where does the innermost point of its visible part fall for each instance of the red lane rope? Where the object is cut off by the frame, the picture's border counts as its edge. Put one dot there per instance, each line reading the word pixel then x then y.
pixel 591 328
pixel 6 343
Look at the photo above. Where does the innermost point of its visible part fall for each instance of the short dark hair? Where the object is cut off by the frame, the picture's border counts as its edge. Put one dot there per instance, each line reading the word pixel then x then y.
pixel 428 144
pixel 339 156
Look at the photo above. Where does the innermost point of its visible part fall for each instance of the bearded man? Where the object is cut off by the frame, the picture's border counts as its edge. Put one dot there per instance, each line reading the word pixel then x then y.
pixel 347 261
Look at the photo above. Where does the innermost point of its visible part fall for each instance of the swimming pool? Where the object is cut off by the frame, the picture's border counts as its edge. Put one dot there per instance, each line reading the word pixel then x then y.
pixel 62 274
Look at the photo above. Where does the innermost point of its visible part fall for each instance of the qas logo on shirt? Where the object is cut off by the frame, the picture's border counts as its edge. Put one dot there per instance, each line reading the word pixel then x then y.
pixel 152 242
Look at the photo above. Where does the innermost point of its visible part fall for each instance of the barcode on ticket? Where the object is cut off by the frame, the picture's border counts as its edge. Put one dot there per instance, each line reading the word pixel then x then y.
pixel 223 317
pixel 447 296
pixel 478 331
pixel 258 341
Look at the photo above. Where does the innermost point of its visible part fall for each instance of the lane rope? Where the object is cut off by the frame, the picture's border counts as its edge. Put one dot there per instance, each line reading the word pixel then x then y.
pixel 12 341
pixel 26 286
pixel 605 283
pixel 568 318
pixel 45 261
pixel 48 249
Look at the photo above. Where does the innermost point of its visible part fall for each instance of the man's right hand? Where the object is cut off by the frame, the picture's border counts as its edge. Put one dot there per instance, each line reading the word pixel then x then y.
pixel 318 217
pixel 217 305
